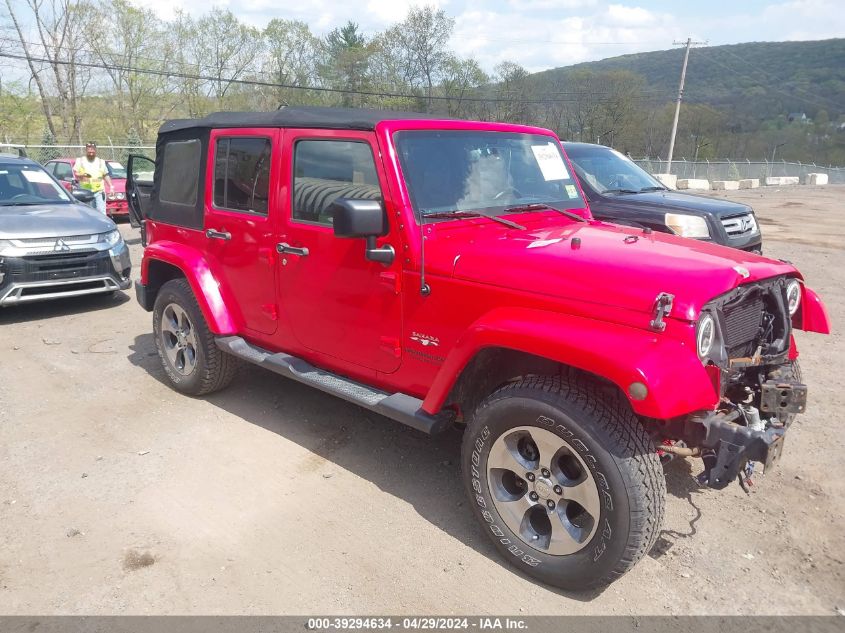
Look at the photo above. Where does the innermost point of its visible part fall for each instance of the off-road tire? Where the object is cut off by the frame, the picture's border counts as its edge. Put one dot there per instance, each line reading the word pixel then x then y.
pixel 620 455
pixel 214 368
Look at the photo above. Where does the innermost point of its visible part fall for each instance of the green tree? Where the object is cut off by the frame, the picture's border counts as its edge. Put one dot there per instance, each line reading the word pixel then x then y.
pixel 225 49
pixel 461 76
pixel 423 38
pixel 292 58
pixel 346 62
pixel 49 151
pixel 137 39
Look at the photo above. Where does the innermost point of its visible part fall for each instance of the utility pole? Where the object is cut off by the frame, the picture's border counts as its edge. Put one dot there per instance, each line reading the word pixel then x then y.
pixel 689 43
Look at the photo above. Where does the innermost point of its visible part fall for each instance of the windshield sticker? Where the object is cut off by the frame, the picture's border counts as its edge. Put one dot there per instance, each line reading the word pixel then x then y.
pixel 550 162
pixel 571 191
pixel 36 176
pixel 541 243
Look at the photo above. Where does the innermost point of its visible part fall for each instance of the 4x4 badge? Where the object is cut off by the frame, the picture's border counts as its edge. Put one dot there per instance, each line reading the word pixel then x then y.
pixel 425 340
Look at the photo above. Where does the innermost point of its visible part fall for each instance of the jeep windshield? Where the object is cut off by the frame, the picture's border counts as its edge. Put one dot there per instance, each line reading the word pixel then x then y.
pixel 484 173
pixel 29 185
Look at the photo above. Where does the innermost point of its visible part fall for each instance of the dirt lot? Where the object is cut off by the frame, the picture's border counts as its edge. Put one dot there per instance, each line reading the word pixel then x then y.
pixel 117 495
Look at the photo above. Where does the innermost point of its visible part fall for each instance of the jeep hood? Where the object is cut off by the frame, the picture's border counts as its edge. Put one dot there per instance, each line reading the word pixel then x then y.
pixel 51 220
pixel 612 265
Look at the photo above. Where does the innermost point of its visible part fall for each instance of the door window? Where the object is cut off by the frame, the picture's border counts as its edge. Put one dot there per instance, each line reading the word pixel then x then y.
pixel 325 170
pixel 62 171
pixel 242 174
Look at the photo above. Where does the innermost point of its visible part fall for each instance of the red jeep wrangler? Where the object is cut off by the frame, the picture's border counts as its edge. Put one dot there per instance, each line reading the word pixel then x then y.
pixel 445 272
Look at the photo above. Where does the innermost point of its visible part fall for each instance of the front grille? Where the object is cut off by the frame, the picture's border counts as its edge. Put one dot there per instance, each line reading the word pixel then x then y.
pixel 742 322
pixel 740 225
pixel 49 243
pixel 753 317
pixel 58 266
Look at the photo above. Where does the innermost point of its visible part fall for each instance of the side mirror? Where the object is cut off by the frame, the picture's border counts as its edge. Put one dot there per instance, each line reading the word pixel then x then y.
pixel 353 218
pixel 83 195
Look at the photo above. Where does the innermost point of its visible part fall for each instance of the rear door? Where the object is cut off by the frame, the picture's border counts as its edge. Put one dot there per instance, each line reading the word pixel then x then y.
pixel 240 215
pixel 139 186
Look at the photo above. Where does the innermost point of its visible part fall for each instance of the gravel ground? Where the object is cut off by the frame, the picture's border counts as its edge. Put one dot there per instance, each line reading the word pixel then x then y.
pixel 119 496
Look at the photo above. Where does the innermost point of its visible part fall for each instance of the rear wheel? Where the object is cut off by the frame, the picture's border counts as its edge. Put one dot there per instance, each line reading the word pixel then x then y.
pixel 565 481
pixel 191 360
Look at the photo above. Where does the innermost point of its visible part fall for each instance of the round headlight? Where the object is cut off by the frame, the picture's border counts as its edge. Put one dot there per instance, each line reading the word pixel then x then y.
pixel 706 336
pixel 793 296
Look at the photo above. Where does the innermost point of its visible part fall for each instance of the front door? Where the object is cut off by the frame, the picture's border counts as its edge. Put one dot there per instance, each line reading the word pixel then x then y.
pixel 239 221
pixel 337 302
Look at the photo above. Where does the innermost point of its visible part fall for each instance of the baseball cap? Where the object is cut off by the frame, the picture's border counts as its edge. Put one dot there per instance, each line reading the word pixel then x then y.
pixel 91 144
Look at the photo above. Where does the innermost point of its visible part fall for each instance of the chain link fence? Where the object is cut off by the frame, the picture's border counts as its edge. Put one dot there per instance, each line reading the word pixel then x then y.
pixel 43 153
pixel 739 169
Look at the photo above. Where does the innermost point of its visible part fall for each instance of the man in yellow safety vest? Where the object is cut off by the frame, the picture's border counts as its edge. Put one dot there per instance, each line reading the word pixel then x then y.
pixel 93 174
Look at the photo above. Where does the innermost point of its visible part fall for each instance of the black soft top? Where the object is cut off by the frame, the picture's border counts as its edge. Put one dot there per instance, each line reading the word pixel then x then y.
pixel 301 117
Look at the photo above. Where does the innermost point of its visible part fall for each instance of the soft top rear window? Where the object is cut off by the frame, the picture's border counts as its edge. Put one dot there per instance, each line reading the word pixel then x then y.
pixel 180 172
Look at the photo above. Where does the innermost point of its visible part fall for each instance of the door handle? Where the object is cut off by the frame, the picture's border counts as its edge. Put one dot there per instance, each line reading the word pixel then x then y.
pixel 287 249
pixel 218 235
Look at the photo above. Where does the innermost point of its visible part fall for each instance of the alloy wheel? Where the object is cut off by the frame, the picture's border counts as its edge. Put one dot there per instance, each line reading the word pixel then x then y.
pixel 543 490
pixel 178 339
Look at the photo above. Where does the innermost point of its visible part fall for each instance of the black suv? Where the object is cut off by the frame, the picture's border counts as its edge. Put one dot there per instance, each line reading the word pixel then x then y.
pixel 621 192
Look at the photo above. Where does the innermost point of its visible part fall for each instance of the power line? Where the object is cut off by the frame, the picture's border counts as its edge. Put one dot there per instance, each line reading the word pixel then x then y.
pixel 575 96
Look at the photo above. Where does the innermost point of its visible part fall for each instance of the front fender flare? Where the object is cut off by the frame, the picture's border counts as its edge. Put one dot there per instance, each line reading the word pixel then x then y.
pixel 814 317
pixel 200 277
pixel 676 380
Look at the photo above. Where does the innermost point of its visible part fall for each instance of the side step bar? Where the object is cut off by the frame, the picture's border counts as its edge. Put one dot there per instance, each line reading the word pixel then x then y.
pixel 397 406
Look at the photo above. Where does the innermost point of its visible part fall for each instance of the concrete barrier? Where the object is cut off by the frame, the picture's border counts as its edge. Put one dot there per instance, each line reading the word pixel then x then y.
pixel 668 180
pixel 725 185
pixel 692 183
pixel 815 179
pixel 749 183
pixel 781 181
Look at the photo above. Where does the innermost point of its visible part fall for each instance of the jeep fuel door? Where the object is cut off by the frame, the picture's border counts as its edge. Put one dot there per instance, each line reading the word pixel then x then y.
pixel 338 302
pixel 239 219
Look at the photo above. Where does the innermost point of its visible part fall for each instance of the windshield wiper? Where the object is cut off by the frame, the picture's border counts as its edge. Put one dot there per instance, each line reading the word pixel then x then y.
pixel 538 206
pixel 620 191
pixel 472 214
pixel 653 189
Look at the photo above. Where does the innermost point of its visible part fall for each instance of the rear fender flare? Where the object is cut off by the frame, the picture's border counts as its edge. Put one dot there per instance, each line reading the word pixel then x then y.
pixel 201 278
pixel 675 378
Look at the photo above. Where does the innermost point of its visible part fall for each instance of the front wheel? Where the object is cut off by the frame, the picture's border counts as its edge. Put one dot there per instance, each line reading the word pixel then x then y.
pixel 193 363
pixel 564 479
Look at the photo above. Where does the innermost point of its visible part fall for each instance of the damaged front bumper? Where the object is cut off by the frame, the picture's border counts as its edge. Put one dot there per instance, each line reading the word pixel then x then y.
pixel 727 443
